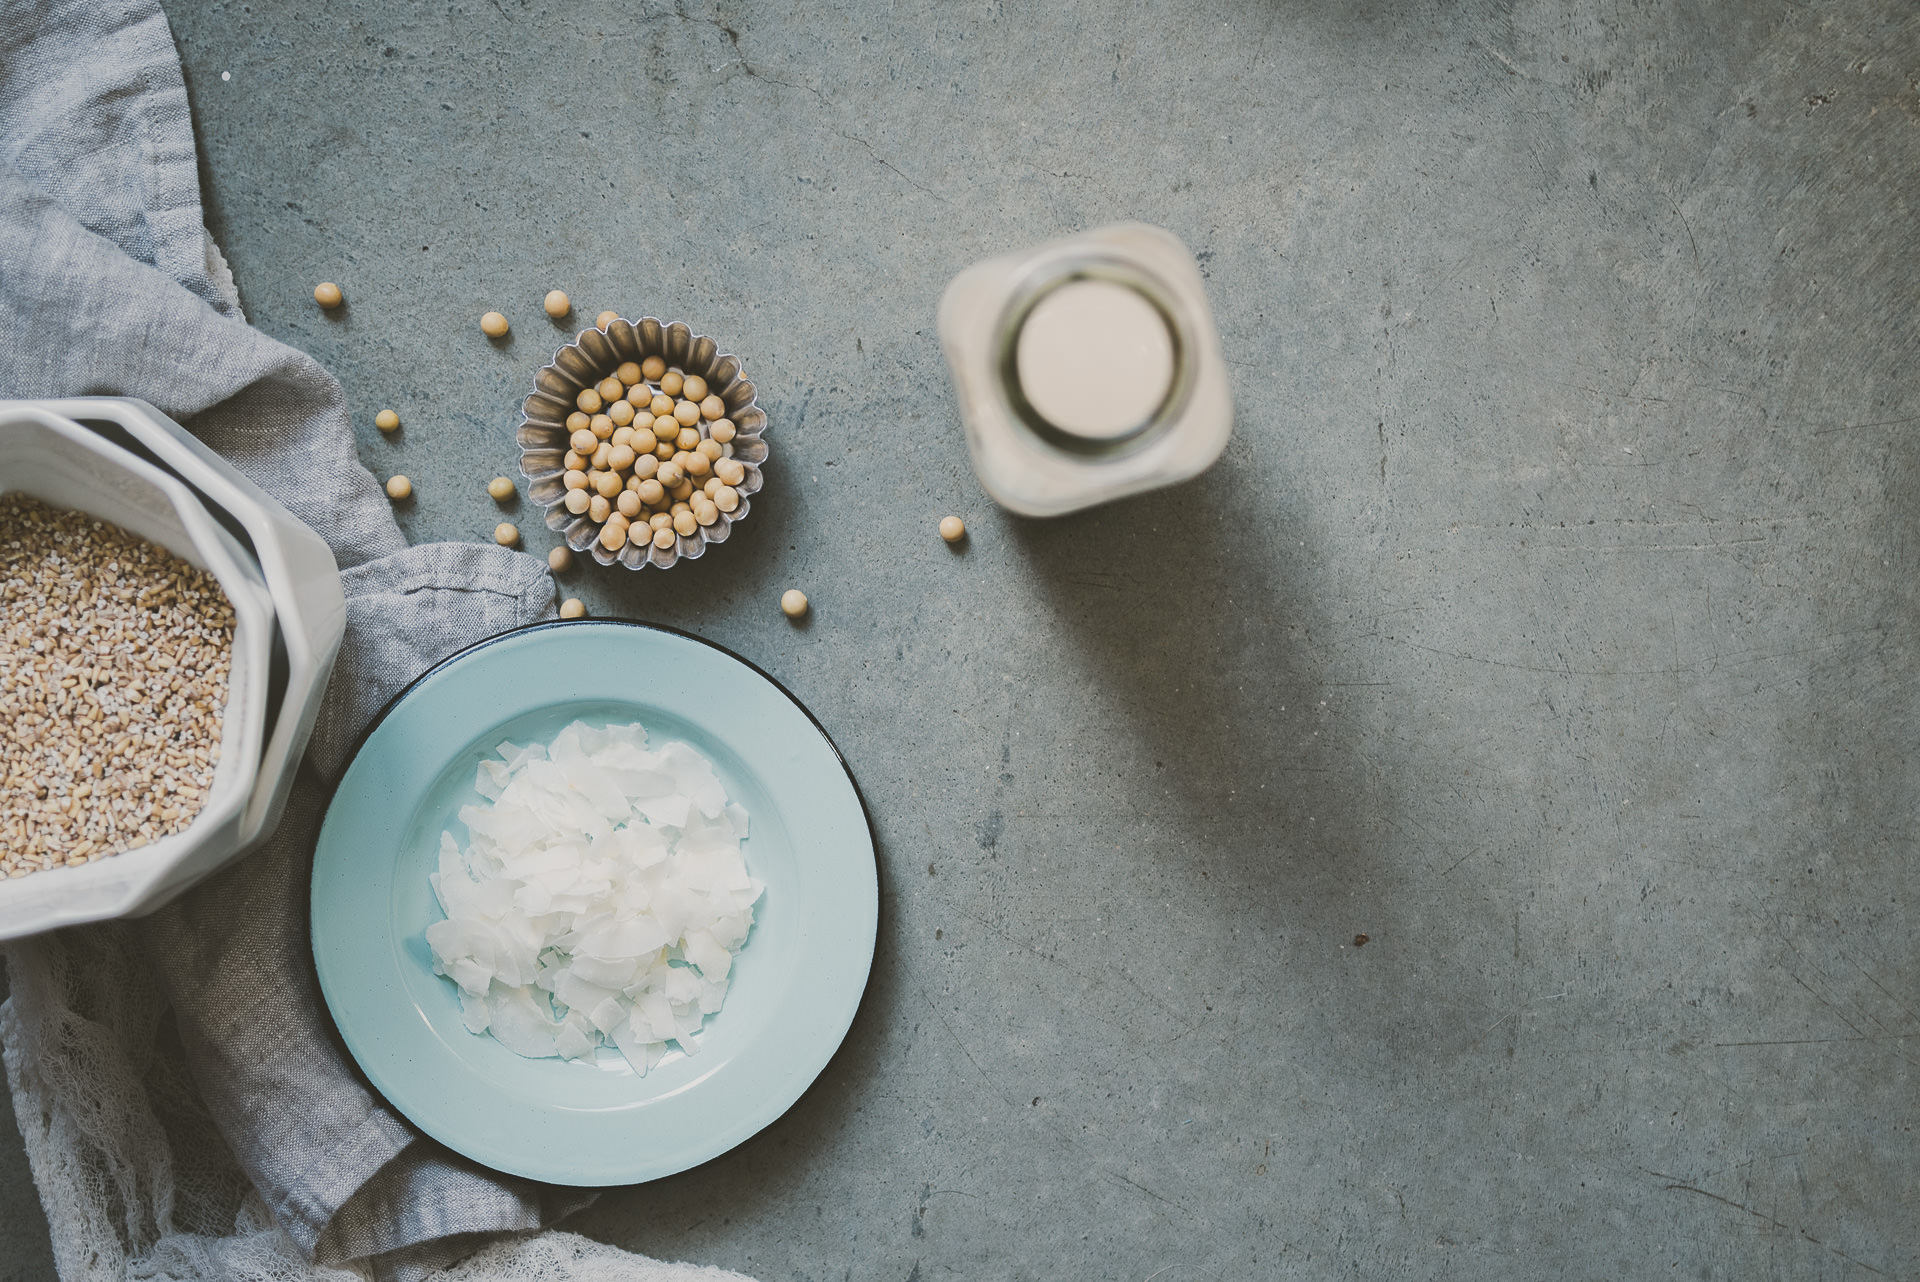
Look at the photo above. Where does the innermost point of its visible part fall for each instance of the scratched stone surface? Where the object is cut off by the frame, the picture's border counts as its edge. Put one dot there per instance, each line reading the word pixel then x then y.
pixel 1549 622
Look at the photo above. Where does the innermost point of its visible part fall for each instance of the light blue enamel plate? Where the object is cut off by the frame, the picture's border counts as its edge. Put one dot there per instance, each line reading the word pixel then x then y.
pixel 797 981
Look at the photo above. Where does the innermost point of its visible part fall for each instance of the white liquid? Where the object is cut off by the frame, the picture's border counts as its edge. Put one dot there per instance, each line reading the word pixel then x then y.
pixel 1094 359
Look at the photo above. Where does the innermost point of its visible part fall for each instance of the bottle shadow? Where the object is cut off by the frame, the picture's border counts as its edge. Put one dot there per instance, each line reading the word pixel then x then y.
pixel 1199 612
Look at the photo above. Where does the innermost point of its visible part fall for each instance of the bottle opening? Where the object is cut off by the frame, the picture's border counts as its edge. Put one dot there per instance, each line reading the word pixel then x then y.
pixel 1095 359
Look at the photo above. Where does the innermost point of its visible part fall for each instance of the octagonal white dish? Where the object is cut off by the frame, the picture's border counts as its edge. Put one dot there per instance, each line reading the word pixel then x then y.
pixel 51 458
pixel 310 608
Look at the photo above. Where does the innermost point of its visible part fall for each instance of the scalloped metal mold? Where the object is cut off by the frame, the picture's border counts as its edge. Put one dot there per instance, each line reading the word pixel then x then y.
pixel 594 355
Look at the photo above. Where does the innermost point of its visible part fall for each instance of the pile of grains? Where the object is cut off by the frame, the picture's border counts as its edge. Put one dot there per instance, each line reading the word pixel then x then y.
pixel 651 456
pixel 113 673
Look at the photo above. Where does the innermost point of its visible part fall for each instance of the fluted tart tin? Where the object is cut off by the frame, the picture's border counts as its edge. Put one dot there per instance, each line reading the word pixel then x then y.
pixel 582 364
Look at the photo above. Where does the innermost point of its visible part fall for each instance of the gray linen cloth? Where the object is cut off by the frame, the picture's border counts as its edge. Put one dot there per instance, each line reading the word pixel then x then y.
pixel 109 285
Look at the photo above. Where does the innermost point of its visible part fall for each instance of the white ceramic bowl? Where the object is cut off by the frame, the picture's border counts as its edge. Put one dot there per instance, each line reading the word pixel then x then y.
pixel 51 458
pixel 311 611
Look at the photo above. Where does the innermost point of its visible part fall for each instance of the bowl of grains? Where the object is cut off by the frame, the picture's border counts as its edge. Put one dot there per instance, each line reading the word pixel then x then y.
pixel 135 637
pixel 309 606
pixel 643 443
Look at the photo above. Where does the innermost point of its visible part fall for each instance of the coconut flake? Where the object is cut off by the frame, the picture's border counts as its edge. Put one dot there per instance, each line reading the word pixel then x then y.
pixel 600 899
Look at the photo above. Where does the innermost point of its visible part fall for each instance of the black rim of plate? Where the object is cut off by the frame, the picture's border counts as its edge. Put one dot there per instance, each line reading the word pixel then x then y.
pixel 386 710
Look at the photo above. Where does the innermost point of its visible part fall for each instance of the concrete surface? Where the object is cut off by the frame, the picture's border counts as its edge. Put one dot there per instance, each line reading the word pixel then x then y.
pixel 1550 620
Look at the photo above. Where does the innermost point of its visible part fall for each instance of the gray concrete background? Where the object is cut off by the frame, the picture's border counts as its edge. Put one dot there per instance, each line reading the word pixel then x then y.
pixel 1549 620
